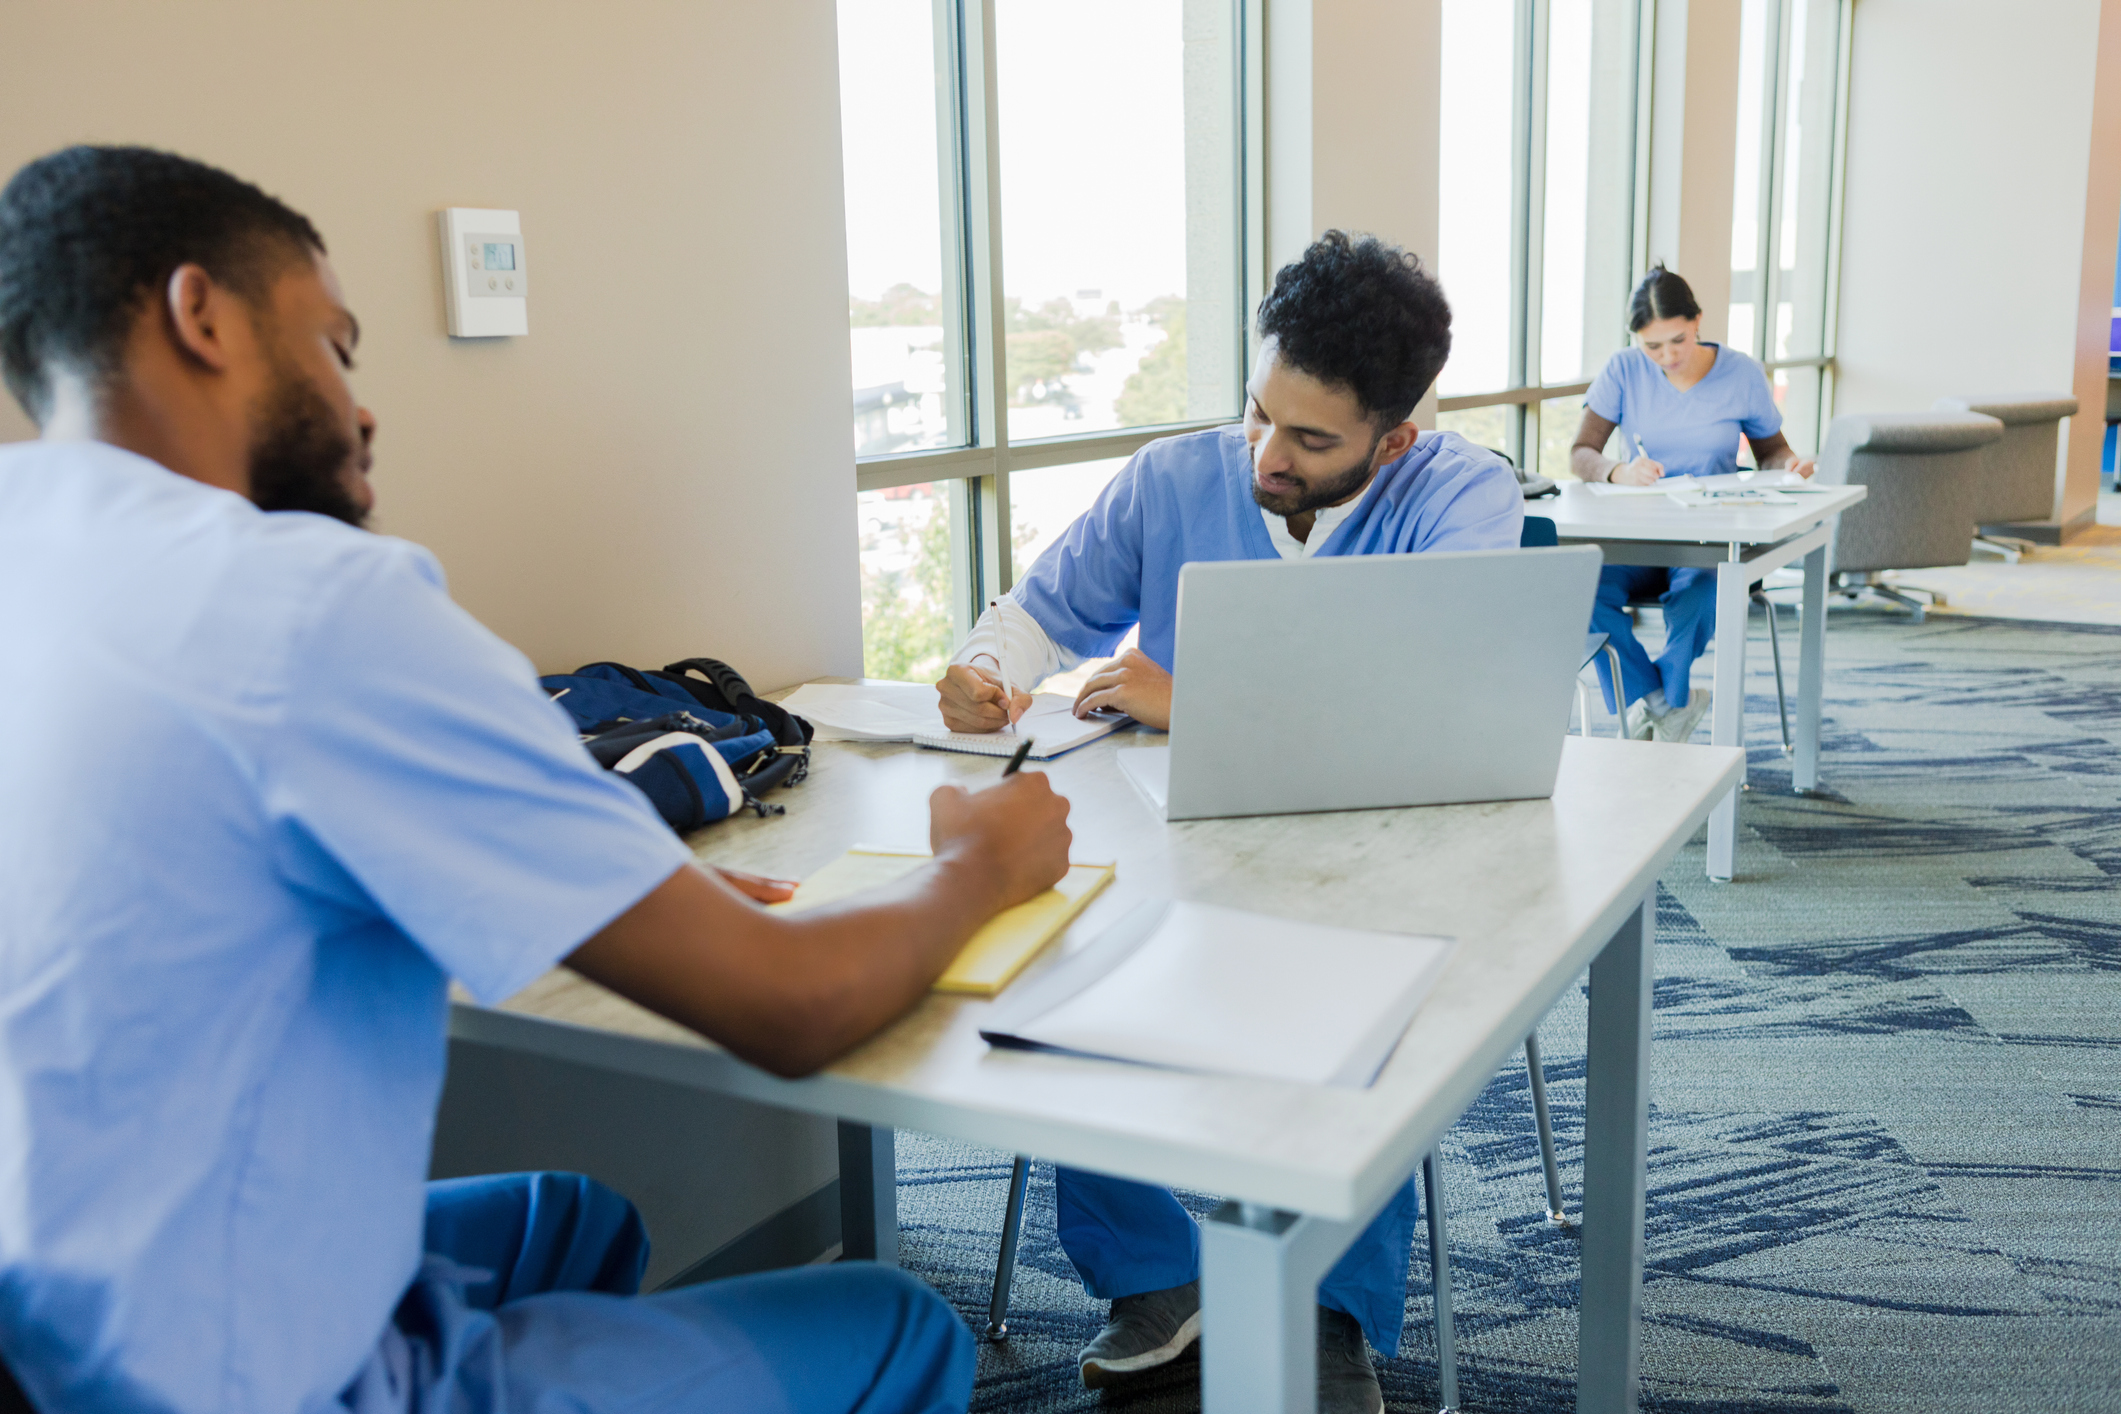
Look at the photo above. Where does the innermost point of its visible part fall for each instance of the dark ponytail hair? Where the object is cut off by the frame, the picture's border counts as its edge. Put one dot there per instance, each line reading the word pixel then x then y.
pixel 1661 295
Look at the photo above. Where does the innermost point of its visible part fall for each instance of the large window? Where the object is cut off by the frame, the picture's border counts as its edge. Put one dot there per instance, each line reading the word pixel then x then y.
pixel 1047 267
pixel 1537 213
pixel 1791 112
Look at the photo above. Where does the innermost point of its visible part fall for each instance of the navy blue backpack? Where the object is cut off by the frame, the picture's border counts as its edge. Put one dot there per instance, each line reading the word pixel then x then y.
pixel 693 737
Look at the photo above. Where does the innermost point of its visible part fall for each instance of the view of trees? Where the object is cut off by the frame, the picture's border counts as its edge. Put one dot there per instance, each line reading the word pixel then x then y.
pixel 1156 392
pixel 901 304
pixel 906 625
pixel 1045 344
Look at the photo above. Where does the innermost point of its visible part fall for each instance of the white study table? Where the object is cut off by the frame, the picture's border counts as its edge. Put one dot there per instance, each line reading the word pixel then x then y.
pixel 1535 891
pixel 1745 544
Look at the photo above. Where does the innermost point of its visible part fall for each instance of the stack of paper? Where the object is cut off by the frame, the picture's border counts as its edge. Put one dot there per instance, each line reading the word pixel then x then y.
pixel 998 951
pixel 1198 987
pixel 906 711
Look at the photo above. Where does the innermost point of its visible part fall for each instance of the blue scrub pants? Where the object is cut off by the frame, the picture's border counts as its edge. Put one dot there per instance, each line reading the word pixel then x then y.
pixel 1126 1238
pixel 527 1304
pixel 1689 600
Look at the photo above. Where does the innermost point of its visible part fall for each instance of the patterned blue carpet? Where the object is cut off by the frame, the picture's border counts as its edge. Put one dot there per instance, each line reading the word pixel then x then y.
pixel 1885 1168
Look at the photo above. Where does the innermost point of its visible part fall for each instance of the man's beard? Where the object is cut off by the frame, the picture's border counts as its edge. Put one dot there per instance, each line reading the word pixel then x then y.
pixel 1316 494
pixel 300 453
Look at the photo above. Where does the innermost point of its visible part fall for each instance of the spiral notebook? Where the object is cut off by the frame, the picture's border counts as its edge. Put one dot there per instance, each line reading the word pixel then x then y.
pixel 873 711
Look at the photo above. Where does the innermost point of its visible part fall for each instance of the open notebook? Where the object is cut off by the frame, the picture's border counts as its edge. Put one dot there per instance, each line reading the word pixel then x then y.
pixel 1198 987
pixel 905 711
pixel 999 950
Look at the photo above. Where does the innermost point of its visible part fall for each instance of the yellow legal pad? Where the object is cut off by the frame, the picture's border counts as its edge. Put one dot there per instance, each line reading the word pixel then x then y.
pixel 997 951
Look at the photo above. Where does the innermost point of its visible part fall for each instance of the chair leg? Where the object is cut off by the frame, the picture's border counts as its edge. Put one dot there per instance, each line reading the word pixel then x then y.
pixel 1005 1265
pixel 1774 638
pixel 1620 717
pixel 1545 1120
pixel 1440 1270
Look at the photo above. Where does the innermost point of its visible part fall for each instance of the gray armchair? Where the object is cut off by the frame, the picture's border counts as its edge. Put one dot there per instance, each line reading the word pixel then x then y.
pixel 2020 483
pixel 1924 471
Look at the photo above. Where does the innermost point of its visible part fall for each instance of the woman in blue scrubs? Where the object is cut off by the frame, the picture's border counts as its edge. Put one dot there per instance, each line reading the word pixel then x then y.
pixel 1680 406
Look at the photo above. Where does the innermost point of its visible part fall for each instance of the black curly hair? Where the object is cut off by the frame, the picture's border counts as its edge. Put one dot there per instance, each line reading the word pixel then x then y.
pixel 88 234
pixel 1361 314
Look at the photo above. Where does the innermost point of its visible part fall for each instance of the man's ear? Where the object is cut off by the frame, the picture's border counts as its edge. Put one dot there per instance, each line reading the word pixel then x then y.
pixel 198 313
pixel 1394 444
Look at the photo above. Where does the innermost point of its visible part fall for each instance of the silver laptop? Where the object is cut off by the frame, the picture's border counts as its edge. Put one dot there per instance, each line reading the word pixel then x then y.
pixel 1365 681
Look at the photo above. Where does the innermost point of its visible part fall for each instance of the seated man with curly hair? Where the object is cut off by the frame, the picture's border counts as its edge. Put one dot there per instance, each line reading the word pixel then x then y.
pixel 1325 463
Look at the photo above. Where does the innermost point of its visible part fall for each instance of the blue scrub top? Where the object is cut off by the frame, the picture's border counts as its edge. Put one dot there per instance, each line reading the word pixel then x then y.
pixel 1694 433
pixel 1189 498
pixel 267 789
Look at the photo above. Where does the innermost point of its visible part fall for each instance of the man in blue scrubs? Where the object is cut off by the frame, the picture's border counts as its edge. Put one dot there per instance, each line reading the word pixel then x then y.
pixel 267 790
pixel 1326 463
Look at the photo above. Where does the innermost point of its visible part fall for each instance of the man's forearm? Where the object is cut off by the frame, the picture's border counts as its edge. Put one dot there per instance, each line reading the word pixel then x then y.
pixel 789 992
pixel 1590 465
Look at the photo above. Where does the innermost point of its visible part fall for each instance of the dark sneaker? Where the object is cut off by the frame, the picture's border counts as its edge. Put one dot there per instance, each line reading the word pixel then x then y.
pixel 1142 1333
pixel 1346 1382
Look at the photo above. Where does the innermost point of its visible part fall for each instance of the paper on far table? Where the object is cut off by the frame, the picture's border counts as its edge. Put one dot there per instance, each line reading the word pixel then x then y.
pixel 1724 481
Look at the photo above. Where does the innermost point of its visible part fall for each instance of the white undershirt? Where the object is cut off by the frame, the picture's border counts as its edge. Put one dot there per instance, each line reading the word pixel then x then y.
pixel 1322 527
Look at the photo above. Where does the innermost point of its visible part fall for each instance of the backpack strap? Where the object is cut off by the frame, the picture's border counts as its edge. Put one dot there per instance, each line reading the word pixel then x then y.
pixel 730 693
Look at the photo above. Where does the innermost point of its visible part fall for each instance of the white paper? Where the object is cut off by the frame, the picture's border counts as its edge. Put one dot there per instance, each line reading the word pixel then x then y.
pixel 867 711
pixel 1218 989
pixel 908 711
pixel 1725 481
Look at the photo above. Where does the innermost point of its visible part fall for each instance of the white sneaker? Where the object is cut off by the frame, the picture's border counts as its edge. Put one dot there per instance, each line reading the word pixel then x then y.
pixel 1679 723
pixel 1640 724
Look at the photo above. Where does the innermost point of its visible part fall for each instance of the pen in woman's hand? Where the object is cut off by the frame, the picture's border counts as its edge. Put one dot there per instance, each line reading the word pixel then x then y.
pixel 1023 749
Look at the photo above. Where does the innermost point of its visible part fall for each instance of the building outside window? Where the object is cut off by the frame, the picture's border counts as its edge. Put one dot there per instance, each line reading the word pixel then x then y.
pixel 1046 258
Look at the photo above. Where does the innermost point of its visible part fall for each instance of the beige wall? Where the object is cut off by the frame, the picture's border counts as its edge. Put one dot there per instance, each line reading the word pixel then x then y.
pixel 1693 149
pixel 1352 126
pixel 1971 260
pixel 663 467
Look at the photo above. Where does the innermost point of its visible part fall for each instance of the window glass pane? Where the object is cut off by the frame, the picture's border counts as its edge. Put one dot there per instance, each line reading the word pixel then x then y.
pixel 903 305
pixel 1589 198
pixel 1797 393
pixel 1755 35
pixel 1043 504
pixel 1559 421
pixel 905 548
pixel 1120 213
pixel 1477 208
pixel 1567 189
pixel 1805 179
pixel 1483 427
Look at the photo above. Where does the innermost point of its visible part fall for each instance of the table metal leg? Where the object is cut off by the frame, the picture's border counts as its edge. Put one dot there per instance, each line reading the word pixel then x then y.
pixel 1260 1268
pixel 1811 672
pixel 1615 1160
pixel 868 1194
pixel 1727 714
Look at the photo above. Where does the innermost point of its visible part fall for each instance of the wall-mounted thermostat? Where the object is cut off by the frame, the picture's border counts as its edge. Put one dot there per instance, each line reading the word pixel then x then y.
pixel 483 270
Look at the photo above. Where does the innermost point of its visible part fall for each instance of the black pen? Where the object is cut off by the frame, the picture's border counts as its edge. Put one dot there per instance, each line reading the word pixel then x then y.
pixel 1023 749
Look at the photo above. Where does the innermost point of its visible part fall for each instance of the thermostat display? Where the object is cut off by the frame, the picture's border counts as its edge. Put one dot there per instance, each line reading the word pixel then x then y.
pixel 485 275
